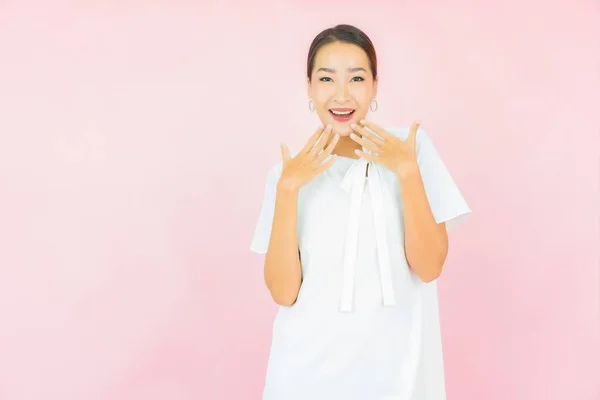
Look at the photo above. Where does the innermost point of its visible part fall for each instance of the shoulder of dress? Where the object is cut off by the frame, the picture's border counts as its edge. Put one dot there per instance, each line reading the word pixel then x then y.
pixel 402 132
pixel 397 130
pixel 275 170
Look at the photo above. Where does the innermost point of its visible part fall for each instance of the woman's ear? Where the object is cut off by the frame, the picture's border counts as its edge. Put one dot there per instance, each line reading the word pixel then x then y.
pixel 308 86
pixel 375 84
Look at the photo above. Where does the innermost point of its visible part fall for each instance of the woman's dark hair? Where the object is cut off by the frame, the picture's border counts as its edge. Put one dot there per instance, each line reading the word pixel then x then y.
pixel 345 34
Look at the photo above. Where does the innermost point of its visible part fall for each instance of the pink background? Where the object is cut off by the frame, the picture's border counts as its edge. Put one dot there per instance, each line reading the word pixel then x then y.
pixel 135 142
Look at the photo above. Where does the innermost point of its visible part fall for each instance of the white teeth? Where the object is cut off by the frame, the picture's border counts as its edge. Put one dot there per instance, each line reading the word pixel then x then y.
pixel 342 113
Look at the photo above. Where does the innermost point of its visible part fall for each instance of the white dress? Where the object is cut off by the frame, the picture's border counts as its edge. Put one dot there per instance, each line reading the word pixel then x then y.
pixel 364 326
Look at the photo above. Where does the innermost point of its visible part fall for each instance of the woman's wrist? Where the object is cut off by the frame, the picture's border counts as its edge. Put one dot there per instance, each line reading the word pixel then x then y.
pixel 408 171
pixel 287 189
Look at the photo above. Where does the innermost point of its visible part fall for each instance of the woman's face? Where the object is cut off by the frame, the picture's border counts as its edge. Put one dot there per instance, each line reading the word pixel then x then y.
pixel 341 83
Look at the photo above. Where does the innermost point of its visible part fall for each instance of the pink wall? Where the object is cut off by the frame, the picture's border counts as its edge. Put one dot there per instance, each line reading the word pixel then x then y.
pixel 135 142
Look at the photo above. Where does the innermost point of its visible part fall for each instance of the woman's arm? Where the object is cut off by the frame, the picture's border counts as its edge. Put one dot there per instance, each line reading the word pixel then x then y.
pixel 426 242
pixel 282 270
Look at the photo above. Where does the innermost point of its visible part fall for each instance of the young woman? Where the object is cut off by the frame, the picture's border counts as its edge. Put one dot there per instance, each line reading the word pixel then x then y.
pixel 354 228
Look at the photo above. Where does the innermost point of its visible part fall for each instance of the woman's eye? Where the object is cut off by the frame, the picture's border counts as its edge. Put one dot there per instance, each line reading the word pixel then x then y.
pixel 355 79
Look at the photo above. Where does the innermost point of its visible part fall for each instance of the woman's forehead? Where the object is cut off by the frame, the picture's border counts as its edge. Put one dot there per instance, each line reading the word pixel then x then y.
pixel 341 56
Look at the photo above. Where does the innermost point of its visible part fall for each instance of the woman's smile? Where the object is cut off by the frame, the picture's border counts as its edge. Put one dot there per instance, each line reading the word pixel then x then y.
pixel 342 114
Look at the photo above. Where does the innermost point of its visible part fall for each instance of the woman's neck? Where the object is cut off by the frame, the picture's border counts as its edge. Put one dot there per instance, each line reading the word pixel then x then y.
pixel 345 148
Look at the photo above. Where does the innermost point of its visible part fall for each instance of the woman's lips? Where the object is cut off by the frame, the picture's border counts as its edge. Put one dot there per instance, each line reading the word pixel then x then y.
pixel 344 114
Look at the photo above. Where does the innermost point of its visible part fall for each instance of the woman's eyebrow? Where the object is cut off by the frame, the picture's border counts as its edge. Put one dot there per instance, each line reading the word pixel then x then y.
pixel 332 71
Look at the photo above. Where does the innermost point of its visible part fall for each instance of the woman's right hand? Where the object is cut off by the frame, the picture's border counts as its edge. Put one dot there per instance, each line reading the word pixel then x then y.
pixel 307 164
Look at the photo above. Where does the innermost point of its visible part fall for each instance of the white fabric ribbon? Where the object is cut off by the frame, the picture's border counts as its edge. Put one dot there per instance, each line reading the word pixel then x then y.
pixel 353 183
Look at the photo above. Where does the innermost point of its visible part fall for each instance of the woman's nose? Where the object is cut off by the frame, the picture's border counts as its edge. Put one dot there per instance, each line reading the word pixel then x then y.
pixel 342 93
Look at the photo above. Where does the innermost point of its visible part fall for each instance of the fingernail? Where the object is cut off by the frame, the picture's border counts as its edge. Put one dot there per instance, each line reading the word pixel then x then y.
pixel 362 121
pixel 354 126
pixel 329 126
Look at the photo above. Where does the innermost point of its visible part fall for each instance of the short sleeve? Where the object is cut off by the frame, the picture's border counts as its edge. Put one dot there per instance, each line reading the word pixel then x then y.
pixel 445 198
pixel 262 230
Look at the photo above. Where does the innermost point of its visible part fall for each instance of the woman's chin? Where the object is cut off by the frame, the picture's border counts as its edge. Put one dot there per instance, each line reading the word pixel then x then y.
pixel 343 131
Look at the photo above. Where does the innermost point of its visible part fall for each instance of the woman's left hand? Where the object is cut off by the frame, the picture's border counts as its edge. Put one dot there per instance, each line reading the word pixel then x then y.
pixel 388 150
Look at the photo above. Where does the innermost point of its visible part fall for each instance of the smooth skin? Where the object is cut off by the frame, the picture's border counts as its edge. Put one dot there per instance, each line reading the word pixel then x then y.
pixel 342 78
